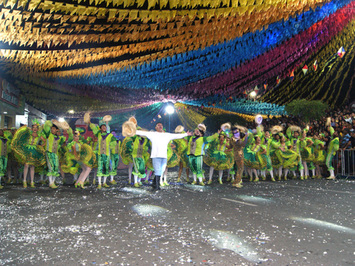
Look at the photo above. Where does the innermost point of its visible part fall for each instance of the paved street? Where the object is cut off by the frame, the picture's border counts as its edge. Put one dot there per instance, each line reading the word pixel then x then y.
pixel 283 223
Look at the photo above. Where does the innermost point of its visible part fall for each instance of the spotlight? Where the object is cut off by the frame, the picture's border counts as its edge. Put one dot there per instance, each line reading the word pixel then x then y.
pixel 170 109
pixel 253 94
pixel 61 119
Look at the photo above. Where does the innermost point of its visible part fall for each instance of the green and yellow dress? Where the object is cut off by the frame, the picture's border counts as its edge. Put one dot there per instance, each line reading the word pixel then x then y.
pixel 85 155
pixel 26 148
pixel 219 156
pixel 255 156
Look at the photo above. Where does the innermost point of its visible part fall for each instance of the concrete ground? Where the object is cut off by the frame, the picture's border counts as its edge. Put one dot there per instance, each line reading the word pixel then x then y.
pixel 293 222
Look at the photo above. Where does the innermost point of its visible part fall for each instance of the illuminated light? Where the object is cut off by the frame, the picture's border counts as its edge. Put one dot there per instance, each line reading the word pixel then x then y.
pixel 197 188
pixel 147 210
pixel 170 109
pixel 61 119
pixel 71 111
pixel 5 113
pixel 224 240
pixel 135 191
pixel 253 94
pixel 254 199
pixel 324 224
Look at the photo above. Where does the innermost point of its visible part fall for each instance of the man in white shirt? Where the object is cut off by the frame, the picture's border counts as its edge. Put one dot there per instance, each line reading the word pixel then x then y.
pixel 159 153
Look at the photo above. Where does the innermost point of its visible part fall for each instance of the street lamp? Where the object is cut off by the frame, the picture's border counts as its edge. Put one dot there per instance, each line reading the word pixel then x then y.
pixel 253 95
pixel 170 110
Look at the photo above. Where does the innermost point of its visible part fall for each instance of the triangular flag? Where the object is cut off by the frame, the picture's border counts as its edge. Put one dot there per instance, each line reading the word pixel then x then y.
pixel 265 86
pixel 278 80
pixel 292 75
pixel 256 88
pixel 305 69
pixel 341 52
pixel 315 65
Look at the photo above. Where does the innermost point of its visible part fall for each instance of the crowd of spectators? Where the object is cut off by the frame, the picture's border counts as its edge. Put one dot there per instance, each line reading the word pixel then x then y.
pixel 342 120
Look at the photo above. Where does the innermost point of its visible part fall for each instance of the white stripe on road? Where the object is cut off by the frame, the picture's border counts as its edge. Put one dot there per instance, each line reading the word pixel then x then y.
pixel 241 202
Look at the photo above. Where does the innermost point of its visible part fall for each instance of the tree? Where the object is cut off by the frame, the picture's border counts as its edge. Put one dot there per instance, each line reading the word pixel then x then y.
pixel 307 110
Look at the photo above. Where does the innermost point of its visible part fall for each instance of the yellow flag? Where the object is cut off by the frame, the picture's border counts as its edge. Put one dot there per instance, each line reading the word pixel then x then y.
pixel 133 14
pixel 22 3
pixel 163 3
pixel 152 3
pixel 128 3
pixel 33 4
pixel 173 3
pixel 123 13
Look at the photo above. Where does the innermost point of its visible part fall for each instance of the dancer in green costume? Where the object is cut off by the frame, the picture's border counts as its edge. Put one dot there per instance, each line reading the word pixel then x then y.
pixel 115 147
pixel 195 151
pixel 319 153
pixel 181 148
pixel 255 157
pixel 219 156
pixel 81 153
pixel 266 141
pixel 4 148
pixel 53 143
pixel 307 155
pixel 28 152
pixel 104 154
pixel 333 147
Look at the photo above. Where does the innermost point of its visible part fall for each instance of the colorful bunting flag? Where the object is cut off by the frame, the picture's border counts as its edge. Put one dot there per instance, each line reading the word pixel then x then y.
pixel 292 75
pixel 265 86
pixel 315 65
pixel 278 80
pixel 341 52
pixel 305 69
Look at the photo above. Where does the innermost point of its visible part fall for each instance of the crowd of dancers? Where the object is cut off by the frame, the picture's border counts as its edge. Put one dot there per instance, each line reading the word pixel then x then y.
pixel 274 154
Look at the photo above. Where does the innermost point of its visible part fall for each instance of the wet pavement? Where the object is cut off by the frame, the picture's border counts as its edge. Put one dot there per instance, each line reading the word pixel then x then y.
pixel 293 222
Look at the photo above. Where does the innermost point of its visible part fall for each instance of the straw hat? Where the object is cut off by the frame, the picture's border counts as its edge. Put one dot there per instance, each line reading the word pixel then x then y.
pixel 241 129
pixel 87 118
pixel 128 129
pixel 179 129
pixel 226 126
pixel 133 120
pixel 107 118
pixel 201 127
pixel 64 125
pixel 57 123
pixel 295 128
pixel 276 129
pixel 258 119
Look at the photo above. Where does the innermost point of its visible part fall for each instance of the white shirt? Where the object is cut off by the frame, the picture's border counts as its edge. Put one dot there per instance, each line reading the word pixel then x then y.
pixel 160 141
